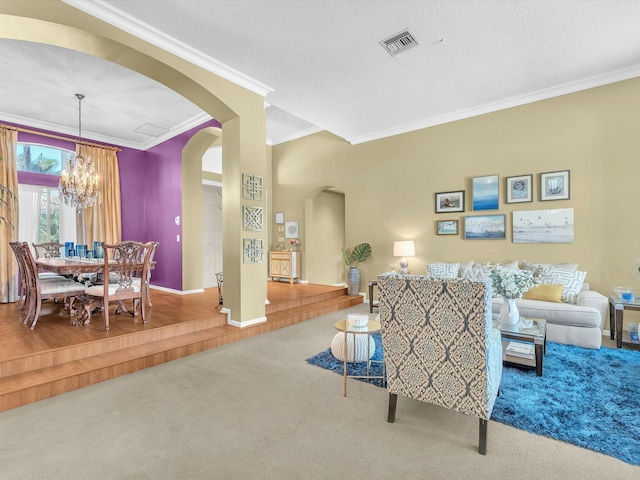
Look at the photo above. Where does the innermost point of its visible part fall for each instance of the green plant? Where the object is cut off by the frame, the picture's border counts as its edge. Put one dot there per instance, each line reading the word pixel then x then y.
pixel 359 254
pixel 6 196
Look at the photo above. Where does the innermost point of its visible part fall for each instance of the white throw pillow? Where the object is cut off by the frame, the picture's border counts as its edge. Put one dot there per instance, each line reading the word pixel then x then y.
pixel 526 265
pixel 571 281
pixel 443 270
pixel 474 274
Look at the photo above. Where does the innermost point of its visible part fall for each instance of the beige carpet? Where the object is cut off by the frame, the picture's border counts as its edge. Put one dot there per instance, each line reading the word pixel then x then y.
pixel 256 410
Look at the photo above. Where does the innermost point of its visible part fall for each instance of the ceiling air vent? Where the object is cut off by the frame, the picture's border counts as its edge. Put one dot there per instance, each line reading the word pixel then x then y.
pixel 399 42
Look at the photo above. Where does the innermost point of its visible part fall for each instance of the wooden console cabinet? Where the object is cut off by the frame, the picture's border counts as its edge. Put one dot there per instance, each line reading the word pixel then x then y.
pixel 284 264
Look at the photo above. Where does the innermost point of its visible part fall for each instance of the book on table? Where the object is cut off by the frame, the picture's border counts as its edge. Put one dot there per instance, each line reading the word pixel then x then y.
pixel 522 350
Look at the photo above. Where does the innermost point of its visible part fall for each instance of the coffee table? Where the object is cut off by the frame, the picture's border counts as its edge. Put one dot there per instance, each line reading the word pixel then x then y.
pixel 616 314
pixel 369 329
pixel 529 330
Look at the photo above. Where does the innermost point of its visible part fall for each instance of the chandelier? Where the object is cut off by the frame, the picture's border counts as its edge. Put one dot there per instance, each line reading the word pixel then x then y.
pixel 79 183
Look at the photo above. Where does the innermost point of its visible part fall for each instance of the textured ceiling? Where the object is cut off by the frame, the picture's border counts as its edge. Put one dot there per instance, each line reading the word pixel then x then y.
pixel 327 70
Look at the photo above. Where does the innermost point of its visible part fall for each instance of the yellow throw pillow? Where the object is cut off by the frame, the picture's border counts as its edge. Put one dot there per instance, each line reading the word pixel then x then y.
pixel 546 293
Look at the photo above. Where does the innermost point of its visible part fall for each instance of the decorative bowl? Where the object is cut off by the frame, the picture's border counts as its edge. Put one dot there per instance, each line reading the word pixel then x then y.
pixel 626 294
pixel 357 319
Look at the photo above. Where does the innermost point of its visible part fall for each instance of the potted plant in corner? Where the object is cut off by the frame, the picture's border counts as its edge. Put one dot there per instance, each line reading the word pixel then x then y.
pixel 359 254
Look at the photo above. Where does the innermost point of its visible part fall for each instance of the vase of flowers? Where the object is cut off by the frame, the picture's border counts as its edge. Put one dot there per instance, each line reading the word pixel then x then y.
pixel 511 284
pixel 294 244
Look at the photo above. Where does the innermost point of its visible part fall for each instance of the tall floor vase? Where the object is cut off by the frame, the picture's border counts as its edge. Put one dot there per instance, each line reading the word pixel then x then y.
pixel 509 313
pixel 353 281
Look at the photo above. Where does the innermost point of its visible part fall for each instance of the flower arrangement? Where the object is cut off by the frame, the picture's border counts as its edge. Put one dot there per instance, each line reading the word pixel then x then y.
pixel 294 242
pixel 512 283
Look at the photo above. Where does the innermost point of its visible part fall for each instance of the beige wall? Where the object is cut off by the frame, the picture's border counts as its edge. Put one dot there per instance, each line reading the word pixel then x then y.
pixel 389 184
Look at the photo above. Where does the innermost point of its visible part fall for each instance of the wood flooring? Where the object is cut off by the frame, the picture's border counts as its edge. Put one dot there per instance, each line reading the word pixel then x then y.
pixel 57 357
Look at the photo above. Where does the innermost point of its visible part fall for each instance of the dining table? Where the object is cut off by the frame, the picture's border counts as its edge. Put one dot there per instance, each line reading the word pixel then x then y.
pixel 68 266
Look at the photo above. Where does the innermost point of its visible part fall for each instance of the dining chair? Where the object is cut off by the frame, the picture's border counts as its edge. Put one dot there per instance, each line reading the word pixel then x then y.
pixel 123 259
pixel 39 290
pixel 47 250
pixel 138 280
pixel 219 278
pixel 22 286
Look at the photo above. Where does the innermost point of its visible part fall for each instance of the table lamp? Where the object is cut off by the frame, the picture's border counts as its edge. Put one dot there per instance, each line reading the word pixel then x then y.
pixel 404 249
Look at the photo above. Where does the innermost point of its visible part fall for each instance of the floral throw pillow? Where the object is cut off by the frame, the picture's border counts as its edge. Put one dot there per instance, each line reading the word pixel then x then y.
pixel 570 280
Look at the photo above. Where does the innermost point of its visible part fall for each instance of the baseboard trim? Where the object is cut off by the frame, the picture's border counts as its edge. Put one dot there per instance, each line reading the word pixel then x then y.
pixel 247 323
pixel 177 292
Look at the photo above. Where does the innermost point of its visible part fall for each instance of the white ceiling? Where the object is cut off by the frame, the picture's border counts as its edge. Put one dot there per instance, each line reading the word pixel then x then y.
pixel 323 65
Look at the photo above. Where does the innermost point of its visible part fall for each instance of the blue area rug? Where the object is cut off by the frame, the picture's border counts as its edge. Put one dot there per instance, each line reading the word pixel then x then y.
pixel 589 398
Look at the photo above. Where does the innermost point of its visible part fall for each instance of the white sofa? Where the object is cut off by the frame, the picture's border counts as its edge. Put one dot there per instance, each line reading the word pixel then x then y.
pixel 580 323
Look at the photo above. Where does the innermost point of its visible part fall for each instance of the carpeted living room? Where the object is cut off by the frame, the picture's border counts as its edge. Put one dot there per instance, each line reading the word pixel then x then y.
pixel 501 133
pixel 257 409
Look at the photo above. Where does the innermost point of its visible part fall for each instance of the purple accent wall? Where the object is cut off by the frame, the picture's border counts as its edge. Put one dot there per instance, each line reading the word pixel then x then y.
pixel 151 196
pixel 131 164
pixel 163 203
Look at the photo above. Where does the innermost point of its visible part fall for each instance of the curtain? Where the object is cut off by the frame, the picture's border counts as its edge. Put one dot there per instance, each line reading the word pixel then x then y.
pixel 103 221
pixel 30 211
pixel 8 215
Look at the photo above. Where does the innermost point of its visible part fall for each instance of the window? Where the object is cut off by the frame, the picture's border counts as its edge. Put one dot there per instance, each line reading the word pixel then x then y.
pixel 43 216
pixel 36 158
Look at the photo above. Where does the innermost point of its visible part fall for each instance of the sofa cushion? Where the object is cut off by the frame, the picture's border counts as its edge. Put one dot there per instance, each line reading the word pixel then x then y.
pixel 443 270
pixel 571 281
pixel 539 266
pixel 545 293
pixel 555 313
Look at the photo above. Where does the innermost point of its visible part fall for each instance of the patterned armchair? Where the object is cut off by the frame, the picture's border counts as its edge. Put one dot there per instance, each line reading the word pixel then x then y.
pixel 439 346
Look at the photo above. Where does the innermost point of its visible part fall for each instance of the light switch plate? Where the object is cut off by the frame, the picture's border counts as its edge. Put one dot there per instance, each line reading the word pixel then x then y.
pixel 281 228
pixel 280 239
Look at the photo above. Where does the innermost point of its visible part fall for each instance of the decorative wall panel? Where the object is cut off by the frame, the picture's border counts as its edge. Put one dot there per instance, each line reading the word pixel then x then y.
pixel 252 250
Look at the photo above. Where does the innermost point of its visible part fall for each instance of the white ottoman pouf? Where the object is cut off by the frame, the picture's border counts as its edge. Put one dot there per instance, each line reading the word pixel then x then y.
pixel 337 347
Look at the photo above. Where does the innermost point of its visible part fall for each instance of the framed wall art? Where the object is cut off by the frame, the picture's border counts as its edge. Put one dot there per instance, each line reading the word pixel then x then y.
pixel 447 227
pixel 543 226
pixel 554 185
pixel 450 202
pixel 279 217
pixel 485 193
pixel 485 227
pixel 291 229
pixel 520 189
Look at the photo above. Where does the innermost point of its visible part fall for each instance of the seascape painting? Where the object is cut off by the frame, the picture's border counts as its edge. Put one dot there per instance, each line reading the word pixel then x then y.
pixel 485 193
pixel 543 226
pixel 485 227
pixel 448 227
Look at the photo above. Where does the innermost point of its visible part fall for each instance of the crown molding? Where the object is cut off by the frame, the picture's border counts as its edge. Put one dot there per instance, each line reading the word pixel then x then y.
pixel 298 134
pixel 544 94
pixel 177 130
pixel 97 137
pixel 129 24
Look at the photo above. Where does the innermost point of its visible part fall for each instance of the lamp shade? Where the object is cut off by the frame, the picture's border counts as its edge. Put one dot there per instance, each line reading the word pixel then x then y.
pixel 404 248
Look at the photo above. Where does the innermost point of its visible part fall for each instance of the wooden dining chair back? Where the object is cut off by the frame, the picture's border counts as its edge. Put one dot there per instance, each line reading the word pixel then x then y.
pixel 123 260
pixel 38 290
pixel 47 250
pixel 147 274
pixel 22 286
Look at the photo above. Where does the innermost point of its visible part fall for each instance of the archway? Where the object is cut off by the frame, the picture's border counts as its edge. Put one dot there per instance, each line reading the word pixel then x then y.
pixel 324 231
pixel 192 205
pixel 240 111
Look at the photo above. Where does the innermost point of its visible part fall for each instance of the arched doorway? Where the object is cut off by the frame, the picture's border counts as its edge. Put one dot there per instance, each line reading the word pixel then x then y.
pixel 240 111
pixel 324 227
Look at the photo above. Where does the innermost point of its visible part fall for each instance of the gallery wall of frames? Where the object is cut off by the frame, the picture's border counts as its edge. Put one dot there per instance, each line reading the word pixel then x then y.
pixel 528 226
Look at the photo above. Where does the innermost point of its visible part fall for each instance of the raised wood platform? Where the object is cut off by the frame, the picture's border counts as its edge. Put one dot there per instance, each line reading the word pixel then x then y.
pixel 57 357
